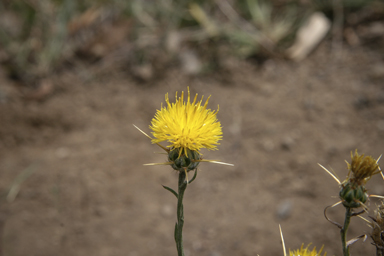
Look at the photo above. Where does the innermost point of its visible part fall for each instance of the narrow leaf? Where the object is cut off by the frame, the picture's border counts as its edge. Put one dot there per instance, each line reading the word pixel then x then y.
pixel 194 177
pixel 171 190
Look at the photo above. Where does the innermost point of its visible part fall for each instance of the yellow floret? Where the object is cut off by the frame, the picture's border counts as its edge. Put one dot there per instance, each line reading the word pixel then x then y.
pixel 186 125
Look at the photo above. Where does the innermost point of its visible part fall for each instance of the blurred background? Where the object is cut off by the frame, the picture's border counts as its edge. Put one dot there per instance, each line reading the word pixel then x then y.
pixel 298 82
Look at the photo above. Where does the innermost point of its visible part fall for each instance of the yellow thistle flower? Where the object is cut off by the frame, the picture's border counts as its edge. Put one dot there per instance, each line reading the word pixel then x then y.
pixel 186 125
pixel 305 252
pixel 362 168
pixel 353 192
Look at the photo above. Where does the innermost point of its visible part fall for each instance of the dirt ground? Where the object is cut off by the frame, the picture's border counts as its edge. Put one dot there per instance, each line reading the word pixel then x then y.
pixel 74 162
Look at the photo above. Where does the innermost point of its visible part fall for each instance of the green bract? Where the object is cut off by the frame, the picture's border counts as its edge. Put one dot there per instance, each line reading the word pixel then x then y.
pixel 353 195
pixel 187 161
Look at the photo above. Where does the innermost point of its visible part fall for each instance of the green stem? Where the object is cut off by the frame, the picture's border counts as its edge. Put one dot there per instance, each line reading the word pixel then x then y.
pixel 180 214
pixel 343 231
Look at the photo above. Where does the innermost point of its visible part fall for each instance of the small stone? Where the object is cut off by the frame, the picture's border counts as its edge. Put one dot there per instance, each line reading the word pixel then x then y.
pixel 268 145
pixel 377 71
pixel 143 72
pixel 173 41
pixel 167 210
pixel 287 143
pixel 380 125
pixel 62 152
pixel 197 245
pixel 284 210
pixel 190 63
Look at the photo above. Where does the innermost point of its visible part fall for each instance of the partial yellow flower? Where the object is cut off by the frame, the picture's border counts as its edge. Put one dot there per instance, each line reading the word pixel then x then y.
pixel 305 252
pixel 302 251
pixel 186 125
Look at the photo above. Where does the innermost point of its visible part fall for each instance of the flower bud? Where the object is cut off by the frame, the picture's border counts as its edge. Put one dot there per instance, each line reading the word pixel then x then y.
pixel 353 195
pixel 187 159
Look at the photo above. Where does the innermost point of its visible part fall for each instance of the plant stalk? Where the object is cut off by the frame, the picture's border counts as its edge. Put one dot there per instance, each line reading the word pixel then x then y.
pixel 180 214
pixel 343 231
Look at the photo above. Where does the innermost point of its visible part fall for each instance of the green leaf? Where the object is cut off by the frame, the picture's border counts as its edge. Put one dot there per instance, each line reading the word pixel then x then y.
pixel 171 190
pixel 194 177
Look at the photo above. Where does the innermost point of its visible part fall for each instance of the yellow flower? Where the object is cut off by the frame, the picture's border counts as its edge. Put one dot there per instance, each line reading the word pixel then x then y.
pixel 305 252
pixel 301 251
pixel 186 125
pixel 362 168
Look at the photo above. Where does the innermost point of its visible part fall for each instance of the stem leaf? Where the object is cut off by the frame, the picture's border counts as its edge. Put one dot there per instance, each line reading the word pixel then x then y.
pixel 171 190
pixel 194 176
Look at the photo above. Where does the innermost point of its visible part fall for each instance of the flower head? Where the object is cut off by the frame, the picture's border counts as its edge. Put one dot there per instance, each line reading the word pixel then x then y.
pixel 186 125
pixel 353 192
pixel 305 252
pixel 362 168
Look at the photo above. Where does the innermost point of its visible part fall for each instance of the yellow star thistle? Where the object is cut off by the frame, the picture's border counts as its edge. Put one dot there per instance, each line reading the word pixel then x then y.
pixel 353 192
pixel 362 168
pixel 186 125
pixel 305 252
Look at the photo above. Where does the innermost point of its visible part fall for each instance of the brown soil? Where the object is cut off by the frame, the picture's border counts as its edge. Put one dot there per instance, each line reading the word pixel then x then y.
pixel 88 192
